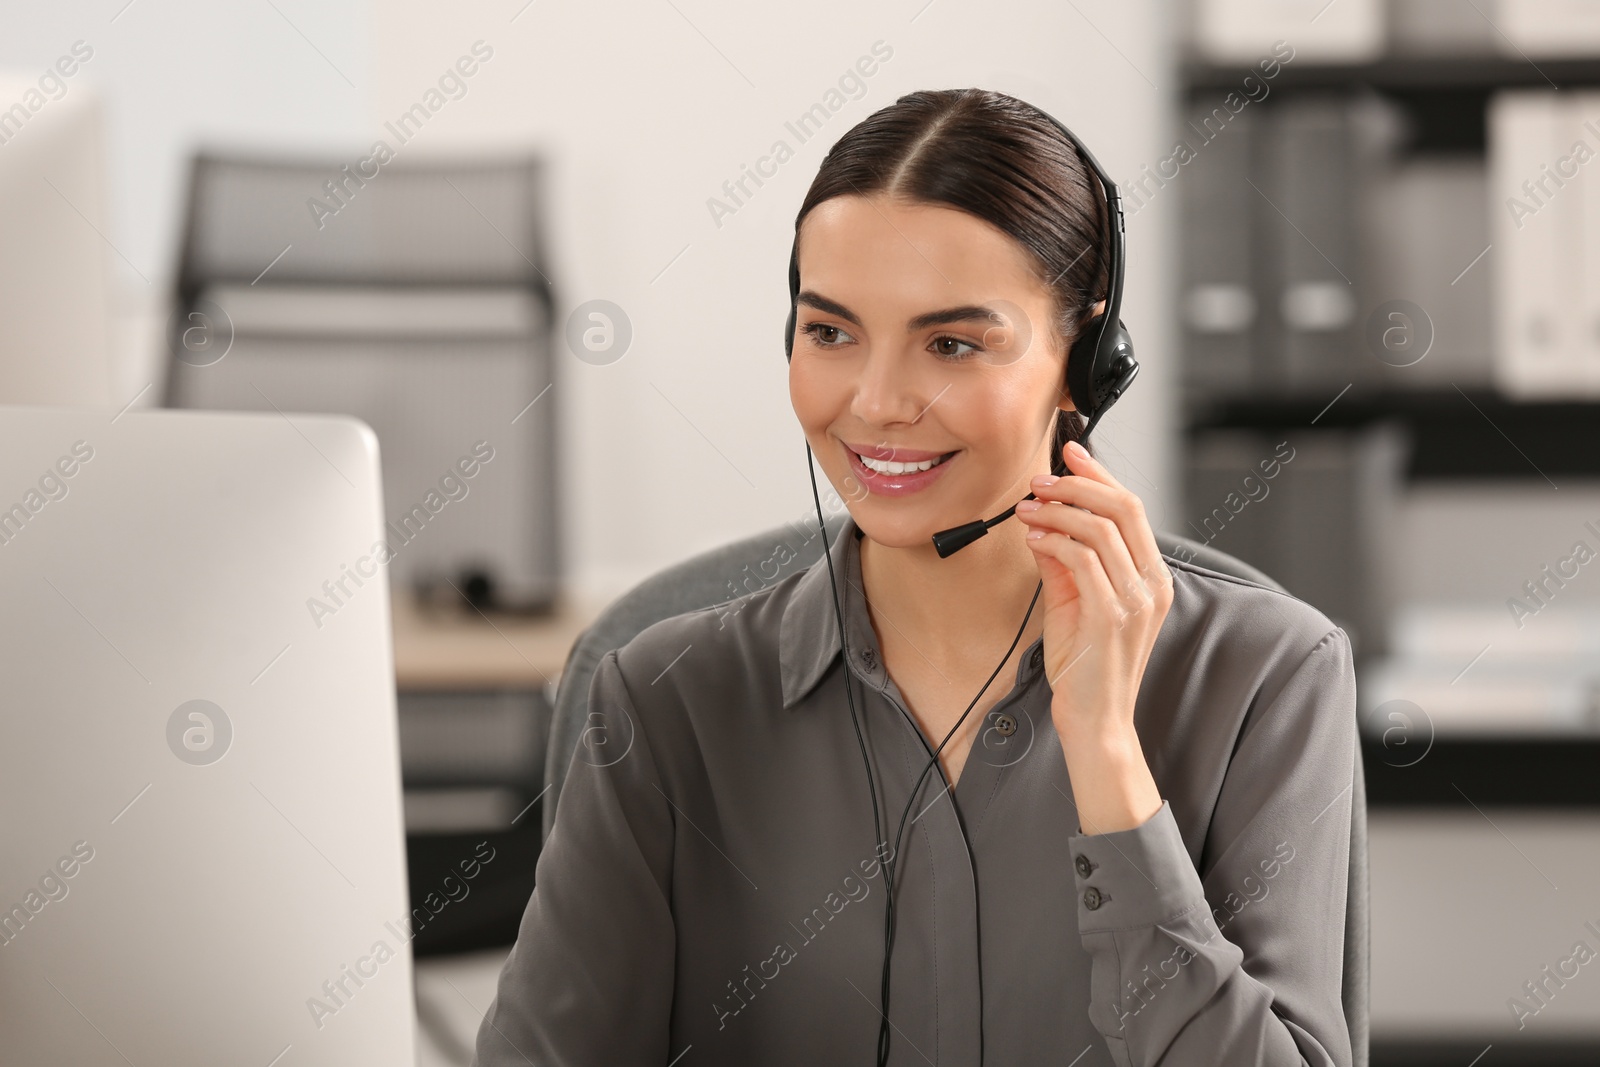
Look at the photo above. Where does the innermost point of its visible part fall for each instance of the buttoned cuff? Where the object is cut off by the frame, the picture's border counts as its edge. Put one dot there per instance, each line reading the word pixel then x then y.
pixel 1134 878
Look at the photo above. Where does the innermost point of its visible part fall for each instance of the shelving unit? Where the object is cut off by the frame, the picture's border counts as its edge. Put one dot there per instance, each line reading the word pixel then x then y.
pixel 1463 435
pixel 1444 100
pixel 1458 432
pixel 1406 74
pixel 1493 772
pixel 1458 427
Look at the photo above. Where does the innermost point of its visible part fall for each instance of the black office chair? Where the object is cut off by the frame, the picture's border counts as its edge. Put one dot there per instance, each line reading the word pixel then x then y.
pixel 703 581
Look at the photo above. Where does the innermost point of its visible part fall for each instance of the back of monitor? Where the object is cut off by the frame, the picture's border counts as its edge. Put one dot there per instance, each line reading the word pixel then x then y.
pixel 201 855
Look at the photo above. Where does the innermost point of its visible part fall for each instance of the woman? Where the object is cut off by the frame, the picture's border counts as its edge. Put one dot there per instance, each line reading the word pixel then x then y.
pixel 1134 849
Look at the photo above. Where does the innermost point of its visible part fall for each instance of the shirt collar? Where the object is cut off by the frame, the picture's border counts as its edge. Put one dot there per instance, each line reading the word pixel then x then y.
pixel 808 635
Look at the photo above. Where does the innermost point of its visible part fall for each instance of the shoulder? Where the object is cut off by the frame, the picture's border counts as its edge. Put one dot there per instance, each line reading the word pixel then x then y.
pixel 731 646
pixel 1247 688
pixel 1250 618
pixel 1231 648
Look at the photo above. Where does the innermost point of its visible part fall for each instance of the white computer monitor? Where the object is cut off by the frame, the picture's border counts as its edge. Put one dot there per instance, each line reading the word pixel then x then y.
pixel 202 857
pixel 55 251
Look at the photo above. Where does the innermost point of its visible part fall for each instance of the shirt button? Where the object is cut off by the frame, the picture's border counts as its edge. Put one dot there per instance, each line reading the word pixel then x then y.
pixel 1037 658
pixel 1085 866
pixel 1093 898
pixel 1005 725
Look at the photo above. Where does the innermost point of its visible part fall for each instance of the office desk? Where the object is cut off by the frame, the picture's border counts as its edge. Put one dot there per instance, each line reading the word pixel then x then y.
pixel 474 700
pixel 464 649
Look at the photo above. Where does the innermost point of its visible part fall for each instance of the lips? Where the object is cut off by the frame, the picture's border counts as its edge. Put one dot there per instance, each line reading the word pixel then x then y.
pixel 900 483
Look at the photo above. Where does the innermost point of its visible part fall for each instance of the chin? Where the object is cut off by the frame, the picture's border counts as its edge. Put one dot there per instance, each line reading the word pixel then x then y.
pixel 894 524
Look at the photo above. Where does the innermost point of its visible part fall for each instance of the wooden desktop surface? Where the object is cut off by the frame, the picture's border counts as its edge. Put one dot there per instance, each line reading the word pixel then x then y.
pixel 439 649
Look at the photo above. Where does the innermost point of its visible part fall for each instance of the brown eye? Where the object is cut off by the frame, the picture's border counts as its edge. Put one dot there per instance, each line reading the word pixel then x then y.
pixel 952 349
pixel 824 335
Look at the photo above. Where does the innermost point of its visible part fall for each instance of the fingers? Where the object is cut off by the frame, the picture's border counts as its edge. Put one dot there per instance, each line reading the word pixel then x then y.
pixel 1091 546
pixel 1094 488
pixel 1084 565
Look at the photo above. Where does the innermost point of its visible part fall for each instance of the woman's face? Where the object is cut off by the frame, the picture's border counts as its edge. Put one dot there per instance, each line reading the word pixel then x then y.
pixel 922 333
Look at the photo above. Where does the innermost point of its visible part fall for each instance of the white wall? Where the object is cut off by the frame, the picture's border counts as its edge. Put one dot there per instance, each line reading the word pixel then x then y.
pixel 175 75
pixel 646 107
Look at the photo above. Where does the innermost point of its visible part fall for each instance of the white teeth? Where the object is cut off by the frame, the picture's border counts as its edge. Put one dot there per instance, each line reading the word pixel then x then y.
pixel 889 466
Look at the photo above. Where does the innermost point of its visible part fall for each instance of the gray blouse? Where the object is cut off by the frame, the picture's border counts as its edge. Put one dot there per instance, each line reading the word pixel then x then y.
pixel 712 889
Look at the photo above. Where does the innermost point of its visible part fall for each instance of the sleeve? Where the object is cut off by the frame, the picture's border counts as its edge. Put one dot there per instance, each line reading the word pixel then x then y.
pixel 1244 965
pixel 590 978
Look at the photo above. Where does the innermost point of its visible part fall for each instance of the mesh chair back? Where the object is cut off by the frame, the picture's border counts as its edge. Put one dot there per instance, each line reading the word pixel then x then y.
pixel 414 296
pixel 458 223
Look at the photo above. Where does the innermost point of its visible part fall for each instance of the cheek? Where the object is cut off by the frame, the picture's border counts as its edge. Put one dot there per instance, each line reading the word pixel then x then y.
pixel 1001 417
pixel 817 399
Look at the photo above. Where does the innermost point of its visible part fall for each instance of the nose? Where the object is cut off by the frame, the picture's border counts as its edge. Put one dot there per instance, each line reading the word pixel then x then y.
pixel 889 391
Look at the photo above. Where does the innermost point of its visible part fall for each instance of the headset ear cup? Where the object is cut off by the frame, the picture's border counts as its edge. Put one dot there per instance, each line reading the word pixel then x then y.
pixel 1080 366
pixel 1117 365
pixel 1100 369
pixel 794 293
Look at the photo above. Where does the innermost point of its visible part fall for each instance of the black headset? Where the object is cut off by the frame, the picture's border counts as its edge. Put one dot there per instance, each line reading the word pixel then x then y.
pixel 1100 367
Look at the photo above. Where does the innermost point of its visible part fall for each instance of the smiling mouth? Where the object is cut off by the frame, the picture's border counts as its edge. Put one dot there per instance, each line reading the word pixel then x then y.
pixel 882 466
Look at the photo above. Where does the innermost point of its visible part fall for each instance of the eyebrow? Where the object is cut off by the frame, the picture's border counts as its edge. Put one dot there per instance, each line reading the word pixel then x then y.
pixel 942 317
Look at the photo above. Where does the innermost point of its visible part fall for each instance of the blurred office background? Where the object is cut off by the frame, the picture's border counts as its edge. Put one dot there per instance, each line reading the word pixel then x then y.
pixel 1390 393
pixel 1364 261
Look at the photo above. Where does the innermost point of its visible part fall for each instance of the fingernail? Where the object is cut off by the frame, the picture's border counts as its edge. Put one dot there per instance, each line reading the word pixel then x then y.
pixel 1077 450
pixel 1042 481
pixel 1030 505
pixel 1034 535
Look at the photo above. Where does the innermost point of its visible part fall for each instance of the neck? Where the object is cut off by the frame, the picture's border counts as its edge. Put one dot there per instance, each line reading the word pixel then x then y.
pixel 963 608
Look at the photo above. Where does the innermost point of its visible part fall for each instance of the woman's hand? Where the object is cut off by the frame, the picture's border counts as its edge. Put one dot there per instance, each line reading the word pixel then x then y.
pixel 1106 593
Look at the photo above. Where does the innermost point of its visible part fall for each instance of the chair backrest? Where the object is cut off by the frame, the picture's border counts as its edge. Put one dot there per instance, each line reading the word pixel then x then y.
pixel 749 564
pixel 416 299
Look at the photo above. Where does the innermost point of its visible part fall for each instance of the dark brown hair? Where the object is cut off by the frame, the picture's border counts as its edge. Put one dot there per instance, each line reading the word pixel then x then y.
pixel 999 159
